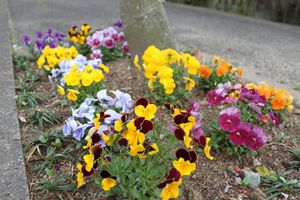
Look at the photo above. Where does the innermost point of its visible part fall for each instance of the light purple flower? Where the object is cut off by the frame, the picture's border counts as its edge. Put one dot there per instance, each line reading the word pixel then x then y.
pixel 104 99
pixel 123 101
pixel 113 116
pixel 223 89
pixel 70 126
pixel 230 119
pixel 96 54
pixel 79 133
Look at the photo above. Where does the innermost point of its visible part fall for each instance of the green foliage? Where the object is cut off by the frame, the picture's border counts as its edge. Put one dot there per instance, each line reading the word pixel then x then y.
pixel 111 54
pixel 138 177
pixel 279 184
pixel 42 117
pixel 295 163
pixel 28 99
pixel 20 61
pixel 57 183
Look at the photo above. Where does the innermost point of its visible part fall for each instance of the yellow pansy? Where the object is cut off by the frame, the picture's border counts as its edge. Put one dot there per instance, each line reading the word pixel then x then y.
pixel 148 112
pixel 108 183
pixel 171 191
pixel 41 61
pixel 109 139
pixel 136 62
pixel 60 90
pixel 189 83
pixel 184 167
pixel 207 149
pixel 118 125
pixel 72 94
pixel 105 68
pixel 80 179
pixel 86 79
pixel 97 75
pixel 89 160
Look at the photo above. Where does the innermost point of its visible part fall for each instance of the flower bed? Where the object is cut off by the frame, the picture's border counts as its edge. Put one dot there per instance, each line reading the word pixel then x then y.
pixel 90 138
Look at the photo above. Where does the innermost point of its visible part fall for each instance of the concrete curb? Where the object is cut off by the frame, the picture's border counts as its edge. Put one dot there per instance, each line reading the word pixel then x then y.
pixel 13 175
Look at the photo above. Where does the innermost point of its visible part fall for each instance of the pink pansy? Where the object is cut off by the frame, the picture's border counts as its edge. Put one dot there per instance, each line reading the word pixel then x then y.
pixel 239 136
pixel 256 137
pixel 230 119
pixel 214 99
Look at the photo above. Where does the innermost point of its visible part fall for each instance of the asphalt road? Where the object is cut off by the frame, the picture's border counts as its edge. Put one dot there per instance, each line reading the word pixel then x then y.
pixel 268 51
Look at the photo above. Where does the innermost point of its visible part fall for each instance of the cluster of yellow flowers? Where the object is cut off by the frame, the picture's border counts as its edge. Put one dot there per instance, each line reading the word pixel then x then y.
pixel 279 98
pixel 186 162
pixel 51 57
pixel 160 66
pixel 86 78
pixel 79 37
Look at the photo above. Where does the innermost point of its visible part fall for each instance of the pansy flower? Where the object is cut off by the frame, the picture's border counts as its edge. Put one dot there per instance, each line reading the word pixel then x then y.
pixel 186 162
pixel 171 185
pixel 230 119
pixel 108 181
pixel 145 109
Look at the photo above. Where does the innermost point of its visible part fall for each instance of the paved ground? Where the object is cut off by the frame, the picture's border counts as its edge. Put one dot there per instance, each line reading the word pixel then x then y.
pixel 268 51
pixel 13 182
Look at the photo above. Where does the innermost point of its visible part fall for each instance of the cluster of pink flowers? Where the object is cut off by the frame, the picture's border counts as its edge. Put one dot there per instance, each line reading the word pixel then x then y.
pixel 255 109
pixel 109 38
pixel 241 133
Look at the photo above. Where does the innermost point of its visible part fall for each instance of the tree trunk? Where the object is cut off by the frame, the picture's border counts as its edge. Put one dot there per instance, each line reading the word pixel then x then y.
pixel 146 24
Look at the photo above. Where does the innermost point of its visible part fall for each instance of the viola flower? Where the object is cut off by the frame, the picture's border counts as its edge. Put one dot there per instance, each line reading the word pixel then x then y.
pixel 256 137
pixel 104 99
pixel 123 101
pixel 72 94
pixel 118 24
pixel 205 71
pixel 207 149
pixel 108 181
pixel 240 72
pixel 60 90
pixel 171 190
pixel 171 185
pixel 230 119
pixel 223 69
pixel 279 101
pixel 26 40
pixel 274 118
pixel 186 162
pixel 189 83
pixel 238 137
pixel 80 179
pixel 214 99
pixel 252 95
pixel 145 109
pixel 223 89
pixel 96 54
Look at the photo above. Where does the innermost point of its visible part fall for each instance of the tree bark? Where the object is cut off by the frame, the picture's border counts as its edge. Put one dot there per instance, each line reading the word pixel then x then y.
pixel 146 24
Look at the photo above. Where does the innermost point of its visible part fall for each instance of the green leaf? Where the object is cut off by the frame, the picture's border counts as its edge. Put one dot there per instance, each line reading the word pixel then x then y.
pixel 43 139
pixel 297 86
